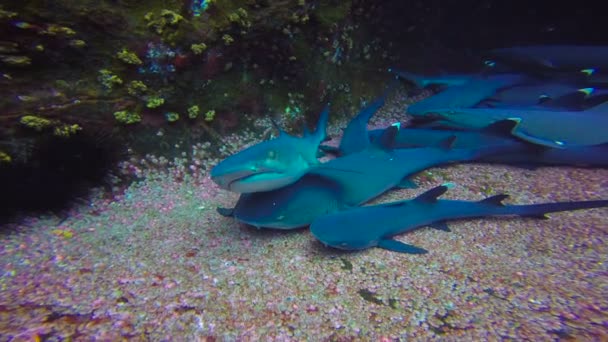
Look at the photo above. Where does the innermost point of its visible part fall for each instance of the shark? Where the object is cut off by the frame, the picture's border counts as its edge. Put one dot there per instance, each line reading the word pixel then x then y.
pixel 467 94
pixel 552 128
pixel 553 57
pixel 376 226
pixel 553 97
pixel 346 182
pixel 515 151
pixel 273 163
pixel 423 81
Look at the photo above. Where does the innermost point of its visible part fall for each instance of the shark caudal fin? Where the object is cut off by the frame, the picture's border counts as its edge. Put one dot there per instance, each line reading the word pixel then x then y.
pixel 540 211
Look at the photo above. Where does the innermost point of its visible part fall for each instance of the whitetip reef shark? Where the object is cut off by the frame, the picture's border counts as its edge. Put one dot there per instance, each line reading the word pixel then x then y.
pixel 346 182
pixel 552 128
pixel 375 226
pixel 273 163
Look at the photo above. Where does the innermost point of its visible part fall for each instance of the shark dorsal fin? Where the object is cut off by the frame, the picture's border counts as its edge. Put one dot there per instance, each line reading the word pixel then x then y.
pixel 431 195
pixel 501 127
pixel 495 200
pixel 387 139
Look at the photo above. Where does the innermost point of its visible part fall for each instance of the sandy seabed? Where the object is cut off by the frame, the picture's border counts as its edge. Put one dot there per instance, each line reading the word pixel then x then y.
pixel 158 263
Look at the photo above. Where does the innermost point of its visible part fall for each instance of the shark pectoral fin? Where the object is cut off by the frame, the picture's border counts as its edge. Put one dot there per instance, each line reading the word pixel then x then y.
pixel 400 247
pixel 441 225
pixel 532 139
pixel 540 141
pixel 407 183
pixel 226 212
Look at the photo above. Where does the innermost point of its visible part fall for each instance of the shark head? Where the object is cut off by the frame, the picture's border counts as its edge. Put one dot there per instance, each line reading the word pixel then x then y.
pixel 270 164
pixel 265 166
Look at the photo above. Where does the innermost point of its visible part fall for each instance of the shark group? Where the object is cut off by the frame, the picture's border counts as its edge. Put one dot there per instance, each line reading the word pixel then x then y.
pixel 509 115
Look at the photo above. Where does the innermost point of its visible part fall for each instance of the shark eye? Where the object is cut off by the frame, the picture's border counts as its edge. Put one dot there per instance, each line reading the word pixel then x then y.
pixel 271 154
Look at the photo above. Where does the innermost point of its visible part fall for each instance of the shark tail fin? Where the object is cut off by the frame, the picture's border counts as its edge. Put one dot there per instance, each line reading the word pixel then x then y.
pixel 540 211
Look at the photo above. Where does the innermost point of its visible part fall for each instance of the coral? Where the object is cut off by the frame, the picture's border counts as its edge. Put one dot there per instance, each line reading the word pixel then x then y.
pixel 108 79
pixel 5 158
pixel 330 14
pixel 7 14
pixel 66 130
pixel 227 39
pixel 137 88
pixel 161 22
pixel 210 115
pixel 127 117
pixel 35 122
pixel 9 47
pixel 16 60
pixel 172 116
pixel 77 43
pixel 128 57
pixel 193 111
pixel 65 233
pixel 155 102
pixel 54 29
pixel 197 49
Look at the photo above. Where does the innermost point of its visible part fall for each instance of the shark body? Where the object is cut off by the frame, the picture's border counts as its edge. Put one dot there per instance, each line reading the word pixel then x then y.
pixel 271 164
pixel 514 150
pixel 375 226
pixel 423 81
pixel 345 182
pixel 553 57
pixel 552 128
pixel 466 95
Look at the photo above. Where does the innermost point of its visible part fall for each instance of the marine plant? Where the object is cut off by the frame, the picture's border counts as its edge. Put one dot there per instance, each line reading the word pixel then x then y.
pixel 127 117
